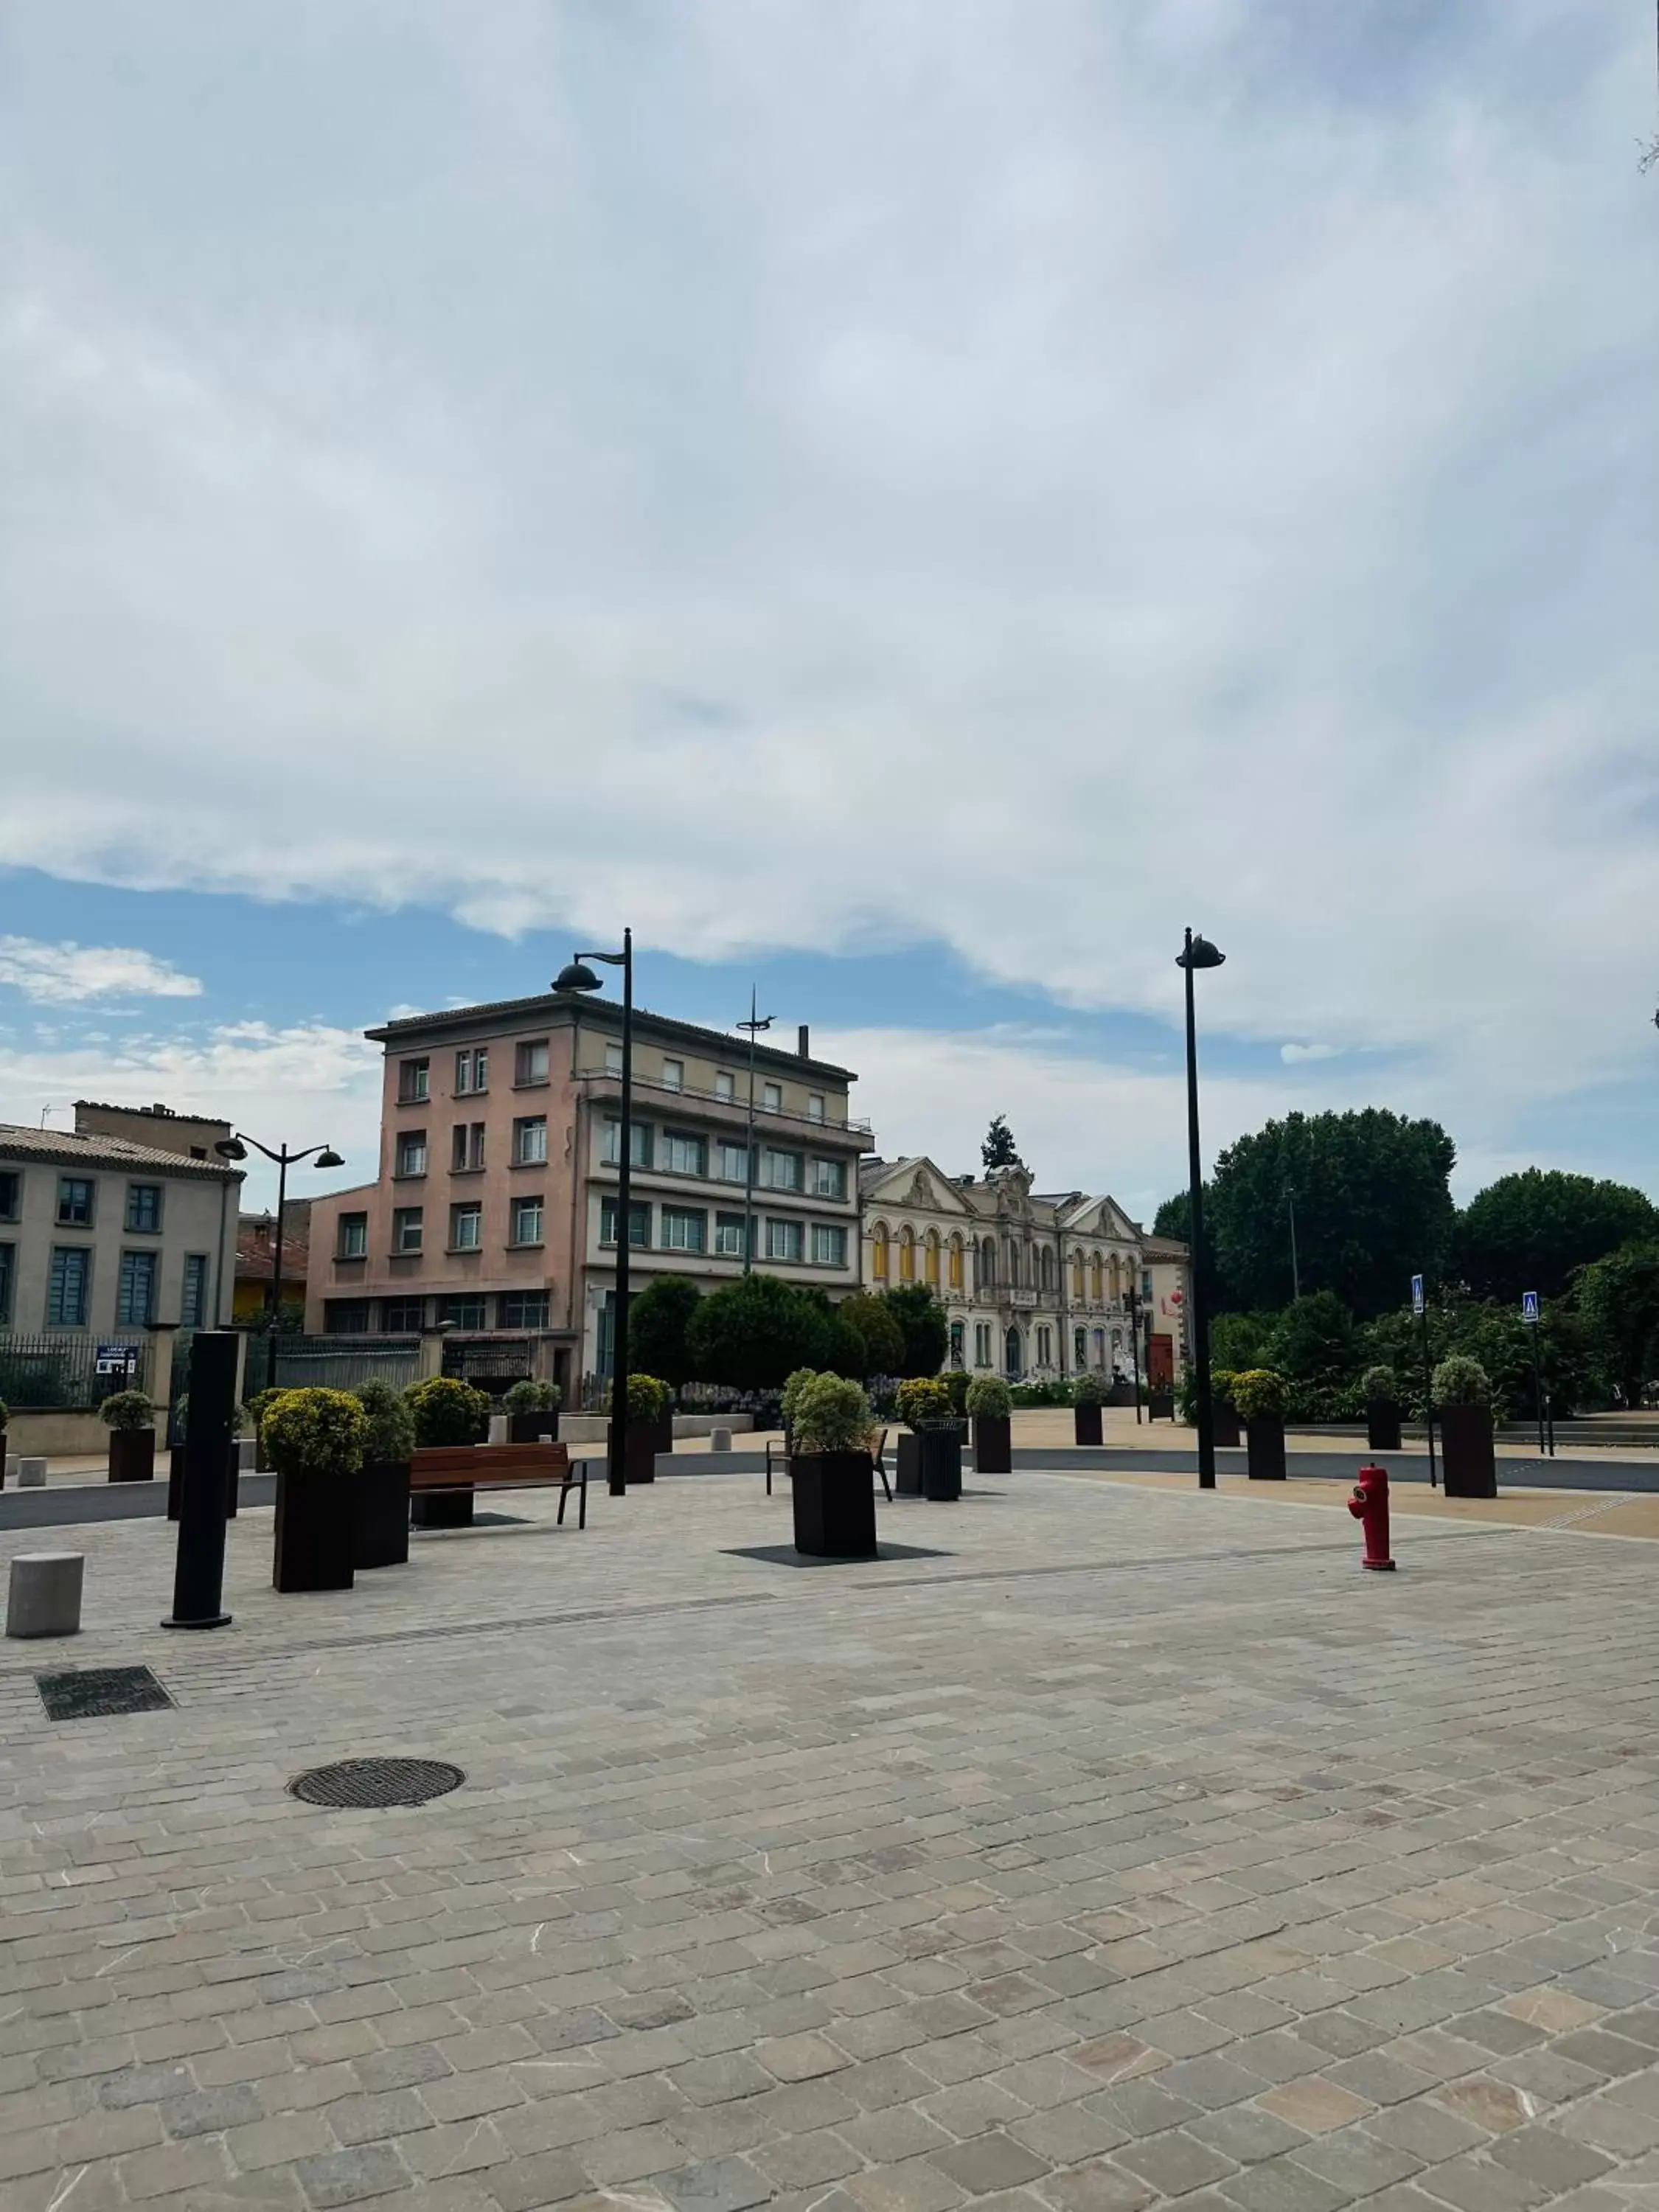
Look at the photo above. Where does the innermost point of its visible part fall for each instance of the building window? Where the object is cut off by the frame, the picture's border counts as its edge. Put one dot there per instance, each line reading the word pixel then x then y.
pixel 530 1141
pixel 815 1105
pixel 466 1227
pixel 143 1209
pixel 7 1280
pixel 414 1081
pixel 639 1144
pixel 954 1266
pixel 956 1344
pixel 830 1178
pixel 526 1221
pixel 784 1240
pixel 829 1246
pixel 639 1223
pixel 1146 1286
pixel 1045 1347
pixel 981 1343
pixel 67 1293
pixel 471 1071
pixel 192 1294
pixel 74 1202
pixel 987 1266
pixel 930 1259
pixel 406 1229
pixel 725 1086
pixel 907 1254
pixel 1079 1348
pixel 402 1316
pixel 530 1063
pixel 613 1059
pixel 732 1163
pixel 781 1171
pixel 411 1152
pixel 524 1309
pixel 1077 1276
pixel 11 1194
pixel 879 1252
pixel 469 1312
pixel 135 1297
pixel 673 1075
pixel 684 1230
pixel 772 1097
pixel 683 1154
pixel 729 1235
pixel 346 1316
pixel 466 1148
pixel 354 1237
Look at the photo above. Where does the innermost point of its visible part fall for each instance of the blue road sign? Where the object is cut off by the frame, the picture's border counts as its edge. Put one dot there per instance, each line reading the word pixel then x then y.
pixel 1529 1305
pixel 1417 1294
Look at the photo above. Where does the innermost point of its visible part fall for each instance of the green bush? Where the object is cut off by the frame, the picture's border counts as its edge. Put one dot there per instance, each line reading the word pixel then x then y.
pixel 257 1405
pixel 534 1397
pixel 793 1385
pixel 127 1410
pixel 648 1401
pixel 922 1324
pixel 659 1330
pixel 1041 1393
pixel 1259 1394
pixel 923 1402
pixel 5 1414
pixel 989 1398
pixel 1461 1381
pixel 750 1334
pixel 883 1338
pixel 315 1432
pixel 179 1410
pixel 1088 1389
pixel 958 1383
pixel 1380 1386
pixel 1221 1386
pixel 849 1352
pixel 389 1438
pixel 446 1411
pixel 831 1414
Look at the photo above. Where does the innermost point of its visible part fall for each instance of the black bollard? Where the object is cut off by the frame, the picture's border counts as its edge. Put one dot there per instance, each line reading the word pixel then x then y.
pixel 199 1574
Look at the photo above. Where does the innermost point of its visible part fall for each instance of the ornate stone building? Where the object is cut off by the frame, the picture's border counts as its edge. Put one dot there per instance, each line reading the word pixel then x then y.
pixel 1034 1284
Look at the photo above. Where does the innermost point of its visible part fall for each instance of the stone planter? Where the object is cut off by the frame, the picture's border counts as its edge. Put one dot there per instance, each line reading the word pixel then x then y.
pixel 907 1475
pixel 665 1431
pixel 381 1527
pixel 316 1528
pixel 1223 1428
pixel 641 1445
pixel 1265 1438
pixel 1160 1405
pixel 993 1452
pixel 1470 1467
pixel 132 1454
pixel 531 1428
pixel 1086 1428
pixel 1381 1427
pixel 2 1459
pixel 1123 1392
pixel 941 1464
pixel 833 1500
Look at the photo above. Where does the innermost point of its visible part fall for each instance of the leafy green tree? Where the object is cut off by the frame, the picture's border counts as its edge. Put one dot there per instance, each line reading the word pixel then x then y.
pixel 923 1326
pixel 998 1150
pixel 1174 1217
pixel 1373 1207
pixel 1238 1340
pixel 753 1334
pixel 1529 1231
pixel 883 1339
pixel 849 1355
pixel 1312 1341
pixel 1618 1300
pixel 658 1321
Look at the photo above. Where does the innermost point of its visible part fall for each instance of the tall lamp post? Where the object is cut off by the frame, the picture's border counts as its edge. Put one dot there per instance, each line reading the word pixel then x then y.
pixel 755 1024
pixel 1197 953
pixel 234 1147
pixel 1131 1299
pixel 578 976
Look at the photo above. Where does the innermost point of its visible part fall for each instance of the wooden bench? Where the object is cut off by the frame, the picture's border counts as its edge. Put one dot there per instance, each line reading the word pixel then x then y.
pixel 443 1478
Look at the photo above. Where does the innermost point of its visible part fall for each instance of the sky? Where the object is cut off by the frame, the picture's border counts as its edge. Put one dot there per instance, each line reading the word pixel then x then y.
pixel 907 507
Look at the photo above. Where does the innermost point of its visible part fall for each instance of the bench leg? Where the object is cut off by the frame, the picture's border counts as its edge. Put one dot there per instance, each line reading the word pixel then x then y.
pixel 581 1502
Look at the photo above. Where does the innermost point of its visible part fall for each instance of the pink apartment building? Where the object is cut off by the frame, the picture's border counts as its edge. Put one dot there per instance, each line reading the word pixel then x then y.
pixel 494 1208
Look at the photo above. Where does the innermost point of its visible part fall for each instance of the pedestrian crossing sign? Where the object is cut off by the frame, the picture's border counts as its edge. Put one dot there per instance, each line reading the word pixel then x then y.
pixel 1529 1305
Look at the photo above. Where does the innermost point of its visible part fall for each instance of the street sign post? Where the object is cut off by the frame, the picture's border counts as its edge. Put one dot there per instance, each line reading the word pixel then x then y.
pixel 1417 1294
pixel 1529 1315
pixel 1421 1308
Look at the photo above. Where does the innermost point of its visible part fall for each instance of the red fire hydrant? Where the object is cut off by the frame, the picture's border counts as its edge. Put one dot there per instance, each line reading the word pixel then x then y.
pixel 1370 1505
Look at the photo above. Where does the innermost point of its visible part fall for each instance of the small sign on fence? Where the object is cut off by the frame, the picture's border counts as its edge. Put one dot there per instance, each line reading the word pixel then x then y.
pixel 113 1359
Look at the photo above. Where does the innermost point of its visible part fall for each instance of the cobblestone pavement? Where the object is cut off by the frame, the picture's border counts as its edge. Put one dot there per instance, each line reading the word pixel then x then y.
pixel 1107 1847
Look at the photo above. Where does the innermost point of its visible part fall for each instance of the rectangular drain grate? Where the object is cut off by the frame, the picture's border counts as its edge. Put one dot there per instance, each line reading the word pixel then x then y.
pixel 89 1693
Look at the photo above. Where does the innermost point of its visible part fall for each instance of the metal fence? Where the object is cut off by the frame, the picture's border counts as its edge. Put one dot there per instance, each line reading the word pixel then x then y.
pixel 492 1362
pixel 334 1362
pixel 59 1373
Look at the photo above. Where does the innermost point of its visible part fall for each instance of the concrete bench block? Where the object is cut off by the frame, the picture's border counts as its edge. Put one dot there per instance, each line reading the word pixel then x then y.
pixel 44 1598
pixel 12 1470
pixel 31 1474
pixel 719 1440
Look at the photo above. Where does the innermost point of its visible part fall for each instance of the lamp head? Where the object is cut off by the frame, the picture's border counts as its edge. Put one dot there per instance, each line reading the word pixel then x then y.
pixel 1200 953
pixel 578 976
pixel 231 1148
pixel 328 1157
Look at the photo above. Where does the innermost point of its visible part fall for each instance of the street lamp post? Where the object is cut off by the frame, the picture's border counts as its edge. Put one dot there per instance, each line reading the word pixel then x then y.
pixel 1131 1298
pixel 579 977
pixel 1296 1265
pixel 755 1024
pixel 234 1147
pixel 1197 953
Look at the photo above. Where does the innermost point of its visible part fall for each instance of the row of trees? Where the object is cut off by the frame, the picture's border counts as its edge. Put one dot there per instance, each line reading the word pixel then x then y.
pixel 755 1332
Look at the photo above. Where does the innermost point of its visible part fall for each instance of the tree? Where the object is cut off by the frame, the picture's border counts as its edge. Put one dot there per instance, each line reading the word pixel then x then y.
pixel 849 1355
pixel 1619 1299
pixel 658 1320
pixel 1373 1208
pixel 999 1149
pixel 1238 1340
pixel 1175 1217
pixel 753 1334
pixel 1312 1341
pixel 883 1338
pixel 923 1326
pixel 1529 1231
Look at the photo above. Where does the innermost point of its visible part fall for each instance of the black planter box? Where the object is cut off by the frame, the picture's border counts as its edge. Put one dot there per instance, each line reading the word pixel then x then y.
pixel 641 1445
pixel 132 1454
pixel 994 1450
pixel 442 1509
pixel 1382 1428
pixel 1465 1439
pixel 1086 1427
pixel 2 1459
pixel 1223 1428
pixel 316 1516
pixel 941 1464
pixel 1123 1392
pixel 380 1530
pixel 1265 1438
pixel 906 1477
pixel 664 1431
pixel 834 1505
pixel 1160 1405
pixel 531 1428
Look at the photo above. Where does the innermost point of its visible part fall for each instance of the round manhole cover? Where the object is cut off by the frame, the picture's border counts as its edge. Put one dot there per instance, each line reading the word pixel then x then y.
pixel 376 1781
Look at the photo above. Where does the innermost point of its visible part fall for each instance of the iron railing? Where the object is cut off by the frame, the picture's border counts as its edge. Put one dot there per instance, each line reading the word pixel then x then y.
pixel 58 1373
pixel 337 1363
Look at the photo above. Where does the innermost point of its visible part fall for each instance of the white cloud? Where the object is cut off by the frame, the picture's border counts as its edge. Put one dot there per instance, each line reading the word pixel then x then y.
pixel 805 477
pixel 65 974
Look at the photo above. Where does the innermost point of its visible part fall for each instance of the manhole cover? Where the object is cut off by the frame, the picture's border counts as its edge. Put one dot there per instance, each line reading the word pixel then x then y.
pixel 376 1781
pixel 89 1693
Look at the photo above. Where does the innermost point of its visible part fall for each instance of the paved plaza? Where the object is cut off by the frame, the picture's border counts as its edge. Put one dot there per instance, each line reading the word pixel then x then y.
pixel 1106 1845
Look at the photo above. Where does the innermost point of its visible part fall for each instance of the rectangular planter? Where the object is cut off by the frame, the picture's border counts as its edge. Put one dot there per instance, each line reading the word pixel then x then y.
pixel 1266 1439
pixel 132 1454
pixel 1470 1463
pixel 1123 1392
pixel 906 1479
pixel 640 1450
pixel 1382 1428
pixel 994 1451
pixel 315 1526
pixel 834 1505
pixel 1086 1426
pixel 1223 1428
pixel 443 1508
pixel 381 1527
pixel 531 1428
pixel 941 1464
pixel 1160 1405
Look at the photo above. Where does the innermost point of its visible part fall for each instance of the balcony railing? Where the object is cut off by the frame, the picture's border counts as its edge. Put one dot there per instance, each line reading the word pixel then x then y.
pixel 658 1093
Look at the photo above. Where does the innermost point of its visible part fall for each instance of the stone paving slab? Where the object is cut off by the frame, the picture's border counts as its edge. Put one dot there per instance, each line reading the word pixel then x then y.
pixel 1134 1850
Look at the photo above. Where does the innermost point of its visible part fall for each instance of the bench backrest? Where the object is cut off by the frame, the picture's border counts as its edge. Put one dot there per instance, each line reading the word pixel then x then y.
pixel 442 1465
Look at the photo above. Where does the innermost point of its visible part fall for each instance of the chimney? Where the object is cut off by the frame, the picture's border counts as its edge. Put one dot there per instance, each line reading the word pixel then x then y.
pixel 804 1042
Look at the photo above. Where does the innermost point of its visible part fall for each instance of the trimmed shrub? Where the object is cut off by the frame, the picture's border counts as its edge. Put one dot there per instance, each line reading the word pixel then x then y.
pixel 958 1381
pixel 128 1410
pixel 1221 1386
pixel 315 1432
pixel 1380 1386
pixel 446 1411
pixel 179 1410
pixel 792 1390
pixel 5 1414
pixel 1088 1389
pixel 389 1438
pixel 883 1339
pixel 533 1397
pixel 257 1406
pixel 1259 1394
pixel 924 1402
pixel 989 1398
pixel 1461 1381
pixel 831 1414
pixel 647 1400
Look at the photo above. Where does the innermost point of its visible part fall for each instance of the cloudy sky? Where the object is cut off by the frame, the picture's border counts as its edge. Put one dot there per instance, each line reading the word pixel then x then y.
pixel 910 504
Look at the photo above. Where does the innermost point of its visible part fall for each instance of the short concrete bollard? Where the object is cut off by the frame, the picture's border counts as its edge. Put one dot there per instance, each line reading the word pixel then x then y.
pixel 31 1474
pixel 11 1469
pixel 719 1440
pixel 498 1428
pixel 44 1598
pixel 247 1454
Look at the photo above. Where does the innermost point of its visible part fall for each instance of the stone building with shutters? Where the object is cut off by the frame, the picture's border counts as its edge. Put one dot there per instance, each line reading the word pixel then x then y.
pixel 1038 1284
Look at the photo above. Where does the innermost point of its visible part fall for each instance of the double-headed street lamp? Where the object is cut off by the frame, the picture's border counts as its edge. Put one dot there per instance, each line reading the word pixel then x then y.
pixel 234 1147
pixel 755 1024
pixel 1198 953
pixel 578 976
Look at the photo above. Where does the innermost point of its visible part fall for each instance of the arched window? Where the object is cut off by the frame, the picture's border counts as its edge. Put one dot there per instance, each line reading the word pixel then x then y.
pixel 907 1254
pixel 1095 1278
pixel 1013 1265
pixel 955 1263
pixel 1048 1272
pixel 930 1257
pixel 1012 1355
pixel 1117 1280
pixel 879 1252
pixel 987 1264
pixel 1077 1275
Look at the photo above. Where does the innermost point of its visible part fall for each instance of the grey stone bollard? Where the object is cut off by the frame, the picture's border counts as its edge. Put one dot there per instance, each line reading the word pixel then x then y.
pixel 247 1454
pixel 31 1474
pixel 44 1598
pixel 719 1440
pixel 11 1469
pixel 498 1428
